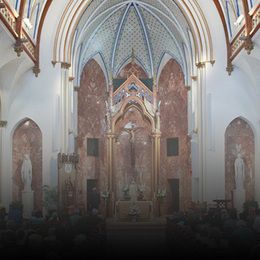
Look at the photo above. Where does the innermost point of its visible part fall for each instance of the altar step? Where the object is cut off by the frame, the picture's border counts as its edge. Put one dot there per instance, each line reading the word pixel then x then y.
pixel 136 239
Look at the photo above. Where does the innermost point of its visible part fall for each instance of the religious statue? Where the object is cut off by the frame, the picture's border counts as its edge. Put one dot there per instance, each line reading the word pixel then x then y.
pixel 131 131
pixel 26 173
pixel 239 172
pixel 239 191
pixel 133 191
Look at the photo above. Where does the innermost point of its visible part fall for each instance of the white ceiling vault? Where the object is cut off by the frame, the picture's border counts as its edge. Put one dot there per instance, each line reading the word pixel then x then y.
pixel 109 31
pixel 112 29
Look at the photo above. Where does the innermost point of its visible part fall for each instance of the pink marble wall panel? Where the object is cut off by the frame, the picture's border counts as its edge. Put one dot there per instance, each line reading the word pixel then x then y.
pixel 27 139
pixel 239 133
pixel 129 68
pixel 91 124
pixel 133 161
pixel 174 123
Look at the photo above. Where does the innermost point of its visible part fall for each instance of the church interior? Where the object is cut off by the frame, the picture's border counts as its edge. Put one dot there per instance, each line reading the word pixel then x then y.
pixel 129 126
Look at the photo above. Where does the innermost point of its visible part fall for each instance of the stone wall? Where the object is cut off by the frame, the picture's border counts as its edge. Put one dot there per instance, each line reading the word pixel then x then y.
pixel 174 123
pixel 91 124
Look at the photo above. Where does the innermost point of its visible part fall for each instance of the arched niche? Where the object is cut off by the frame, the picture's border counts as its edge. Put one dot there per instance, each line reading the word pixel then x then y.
pixel 175 168
pixel 239 138
pixel 92 95
pixel 27 139
pixel 133 151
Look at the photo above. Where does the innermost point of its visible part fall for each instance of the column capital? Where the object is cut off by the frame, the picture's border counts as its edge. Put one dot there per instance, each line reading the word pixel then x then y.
pixel 194 78
pixel 156 134
pixel 3 123
pixel 65 65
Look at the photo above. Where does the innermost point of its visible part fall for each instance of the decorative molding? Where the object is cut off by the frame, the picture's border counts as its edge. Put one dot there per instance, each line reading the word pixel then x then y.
pixel 53 63
pixel 8 18
pixel 68 158
pixel 18 47
pixel 36 70
pixel 3 123
pixel 248 44
pixel 200 65
pixel 65 65
pixel 229 68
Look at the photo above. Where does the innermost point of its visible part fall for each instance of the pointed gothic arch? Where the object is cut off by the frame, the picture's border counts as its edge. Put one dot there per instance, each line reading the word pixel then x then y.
pixel 27 139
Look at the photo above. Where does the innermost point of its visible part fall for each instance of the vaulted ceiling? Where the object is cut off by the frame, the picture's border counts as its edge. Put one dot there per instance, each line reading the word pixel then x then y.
pixel 115 29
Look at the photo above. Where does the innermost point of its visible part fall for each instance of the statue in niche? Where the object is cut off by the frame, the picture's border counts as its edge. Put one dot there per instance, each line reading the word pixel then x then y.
pixel 239 172
pixel 26 173
pixel 239 191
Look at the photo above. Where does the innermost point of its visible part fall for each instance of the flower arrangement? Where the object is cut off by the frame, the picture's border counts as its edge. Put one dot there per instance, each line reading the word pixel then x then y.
pixel 161 194
pixel 141 190
pixel 105 194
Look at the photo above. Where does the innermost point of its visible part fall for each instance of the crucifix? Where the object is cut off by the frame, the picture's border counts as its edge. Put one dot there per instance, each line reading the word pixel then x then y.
pixel 131 131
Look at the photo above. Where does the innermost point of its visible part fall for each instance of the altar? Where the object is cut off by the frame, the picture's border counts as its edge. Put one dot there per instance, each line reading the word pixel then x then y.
pixel 124 208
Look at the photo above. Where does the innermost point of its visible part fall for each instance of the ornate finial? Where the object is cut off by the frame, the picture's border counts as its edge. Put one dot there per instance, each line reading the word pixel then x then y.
pixel 36 70
pixel 229 68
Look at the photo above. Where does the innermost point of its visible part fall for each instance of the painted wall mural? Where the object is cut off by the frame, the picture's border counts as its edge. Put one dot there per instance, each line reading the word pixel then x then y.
pixel 91 124
pixel 174 124
pixel 239 162
pixel 27 139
